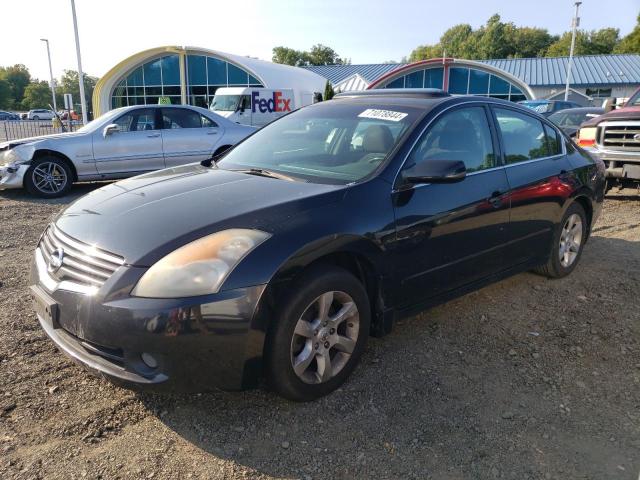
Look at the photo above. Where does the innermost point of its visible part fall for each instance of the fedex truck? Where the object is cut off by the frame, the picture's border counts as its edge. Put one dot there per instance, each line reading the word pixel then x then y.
pixel 259 106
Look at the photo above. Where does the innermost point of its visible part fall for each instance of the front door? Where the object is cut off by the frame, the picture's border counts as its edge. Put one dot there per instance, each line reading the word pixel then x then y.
pixel 135 148
pixel 449 235
pixel 188 136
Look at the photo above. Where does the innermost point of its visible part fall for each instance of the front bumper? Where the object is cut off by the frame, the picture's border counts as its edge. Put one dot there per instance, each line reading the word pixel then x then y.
pixel 198 344
pixel 12 176
pixel 619 164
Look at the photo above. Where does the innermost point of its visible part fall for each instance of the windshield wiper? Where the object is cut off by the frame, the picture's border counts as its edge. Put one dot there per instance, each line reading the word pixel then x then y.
pixel 261 172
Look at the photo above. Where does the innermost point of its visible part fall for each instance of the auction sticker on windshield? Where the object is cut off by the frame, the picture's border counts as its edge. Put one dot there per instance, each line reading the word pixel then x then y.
pixel 383 114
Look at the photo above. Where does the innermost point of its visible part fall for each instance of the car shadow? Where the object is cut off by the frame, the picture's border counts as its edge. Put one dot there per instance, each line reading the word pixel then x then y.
pixel 460 391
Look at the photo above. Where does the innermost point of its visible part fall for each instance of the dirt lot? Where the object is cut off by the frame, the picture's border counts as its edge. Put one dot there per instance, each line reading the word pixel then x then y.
pixel 525 379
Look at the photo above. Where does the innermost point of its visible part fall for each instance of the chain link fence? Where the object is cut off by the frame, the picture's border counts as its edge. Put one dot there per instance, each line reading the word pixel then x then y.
pixel 17 129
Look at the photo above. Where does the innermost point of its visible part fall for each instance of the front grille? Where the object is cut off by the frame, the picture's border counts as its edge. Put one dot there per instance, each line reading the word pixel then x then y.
pixel 620 136
pixel 81 263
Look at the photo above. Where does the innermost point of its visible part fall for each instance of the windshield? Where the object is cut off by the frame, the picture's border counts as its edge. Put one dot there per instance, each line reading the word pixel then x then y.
pixel 98 121
pixel 573 119
pixel 225 103
pixel 634 101
pixel 540 107
pixel 333 142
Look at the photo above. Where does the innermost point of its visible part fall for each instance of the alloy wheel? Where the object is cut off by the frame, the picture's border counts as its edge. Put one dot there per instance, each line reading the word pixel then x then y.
pixel 325 337
pixel 49 177
pixel 570 240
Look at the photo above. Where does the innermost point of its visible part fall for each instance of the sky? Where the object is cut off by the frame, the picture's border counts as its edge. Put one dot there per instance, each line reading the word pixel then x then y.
pixel 370 31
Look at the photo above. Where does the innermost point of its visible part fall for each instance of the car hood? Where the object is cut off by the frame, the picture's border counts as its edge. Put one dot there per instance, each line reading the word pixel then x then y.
pixel 145 217
pixel 626 113
pixel 55 136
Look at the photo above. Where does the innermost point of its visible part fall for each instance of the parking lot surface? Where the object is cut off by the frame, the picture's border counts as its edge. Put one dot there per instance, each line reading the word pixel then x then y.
pixel 525 379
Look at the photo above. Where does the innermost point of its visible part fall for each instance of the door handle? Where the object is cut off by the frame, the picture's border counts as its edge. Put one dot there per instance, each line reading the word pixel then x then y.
pixel 213 132
pixel 496 199
pixel 153 135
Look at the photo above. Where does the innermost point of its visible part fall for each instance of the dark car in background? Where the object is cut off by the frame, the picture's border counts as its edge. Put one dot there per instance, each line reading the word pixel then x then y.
pixel 320 229
pixel 569 120
pixel 548 107
pixel 8 115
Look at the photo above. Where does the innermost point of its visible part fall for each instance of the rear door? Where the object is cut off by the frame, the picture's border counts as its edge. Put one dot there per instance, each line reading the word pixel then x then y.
pixel 187 136
pixel 449 235
pixel 135 147
pixel 540 180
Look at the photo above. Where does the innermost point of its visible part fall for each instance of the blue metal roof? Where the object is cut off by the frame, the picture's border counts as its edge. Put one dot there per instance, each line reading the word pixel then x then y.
pixel 587 70
pixel 337 73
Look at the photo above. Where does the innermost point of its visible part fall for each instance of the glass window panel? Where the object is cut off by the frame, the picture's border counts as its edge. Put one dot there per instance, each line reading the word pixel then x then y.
pixel 198 90
pixel 522 136
pixel 131 91
pixel 517 98
pixel 198 101
pixel 171 90
pixel 171 70
pixel 498 86
pixel 462 134
pixel 135 78
pixel 415 80
pixel 153 90
pixel 180 118
pixel 458 80
pixel 397 83
pixel 197 70
pixel 433 77
pixel 117 102
pixel 121 89
pixel 478 82
pixel 136 100
pixel 212 90
pixel 152 75
pixel 237 76
pixel 553 141
pixel 253 81
pixel 137 120
pixel 151 100
pixel 217 71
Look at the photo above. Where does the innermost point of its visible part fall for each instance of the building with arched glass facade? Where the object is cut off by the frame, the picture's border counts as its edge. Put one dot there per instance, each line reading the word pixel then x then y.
pixel 458 77
pixel 189 75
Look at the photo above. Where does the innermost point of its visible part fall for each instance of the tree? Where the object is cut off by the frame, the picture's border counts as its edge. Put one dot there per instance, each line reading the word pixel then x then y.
pixel 318 55
pixel 328 91
pixel 6 97
pixel 630 43
pixel 323 55
pixel 69 84
pixel 595 42
pixel 288 56
pixel 18 77
pixel 36 95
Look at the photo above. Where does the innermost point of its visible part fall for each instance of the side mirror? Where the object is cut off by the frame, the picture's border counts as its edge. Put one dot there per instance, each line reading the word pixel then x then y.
pixel 436 171
pixel 110 129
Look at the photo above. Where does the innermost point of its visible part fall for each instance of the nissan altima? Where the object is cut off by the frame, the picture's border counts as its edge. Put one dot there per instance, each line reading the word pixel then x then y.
pixel 279 260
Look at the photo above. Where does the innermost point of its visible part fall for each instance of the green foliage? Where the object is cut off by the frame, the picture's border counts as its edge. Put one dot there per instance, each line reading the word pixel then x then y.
pixel 630 43
pixel 497 39
pixel 18 77
pixel 318 55
pixel 6 97
pixel 36 95
pixel 328 92
pixel 69 84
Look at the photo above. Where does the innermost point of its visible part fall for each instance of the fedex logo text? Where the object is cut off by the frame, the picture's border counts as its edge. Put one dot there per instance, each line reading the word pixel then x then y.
pixel 274 104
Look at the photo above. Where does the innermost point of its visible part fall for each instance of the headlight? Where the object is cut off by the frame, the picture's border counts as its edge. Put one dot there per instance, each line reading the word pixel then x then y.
pixel 200 267
pixel 587 137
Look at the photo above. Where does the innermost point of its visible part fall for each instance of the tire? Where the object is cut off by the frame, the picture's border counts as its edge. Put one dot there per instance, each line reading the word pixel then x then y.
pixel 557 267
pixel 299 333
pixel 56 185
pixel 35 117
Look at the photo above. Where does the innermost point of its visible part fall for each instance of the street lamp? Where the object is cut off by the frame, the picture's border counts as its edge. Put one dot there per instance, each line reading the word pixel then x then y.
pixel 575 23
pixel 83 101
pixel 53 82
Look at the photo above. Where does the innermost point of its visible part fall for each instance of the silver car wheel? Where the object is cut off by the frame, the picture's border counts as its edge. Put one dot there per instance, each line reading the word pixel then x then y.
pixel 570 240
pixel 49 177
pixel 324 338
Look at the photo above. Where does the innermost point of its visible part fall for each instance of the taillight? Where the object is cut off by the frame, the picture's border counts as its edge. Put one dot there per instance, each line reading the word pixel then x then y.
pixel 587 137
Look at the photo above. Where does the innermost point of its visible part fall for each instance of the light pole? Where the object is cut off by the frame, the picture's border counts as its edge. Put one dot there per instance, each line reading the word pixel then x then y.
pixel 53 82
pixel 575 23
pixel 83 101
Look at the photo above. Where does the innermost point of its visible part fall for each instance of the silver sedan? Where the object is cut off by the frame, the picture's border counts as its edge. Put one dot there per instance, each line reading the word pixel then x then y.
pixel 121 143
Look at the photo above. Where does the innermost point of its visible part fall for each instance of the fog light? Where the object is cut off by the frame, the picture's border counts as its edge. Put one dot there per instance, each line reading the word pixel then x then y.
pixel 149 360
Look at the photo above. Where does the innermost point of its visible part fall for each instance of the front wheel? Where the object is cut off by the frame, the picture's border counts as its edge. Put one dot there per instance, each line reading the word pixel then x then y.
pixel 48 177
pixel 320 333
pixel 568 243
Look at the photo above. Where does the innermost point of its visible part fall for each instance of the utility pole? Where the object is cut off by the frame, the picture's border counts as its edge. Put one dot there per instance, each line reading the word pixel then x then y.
pixel 575 24
pixel 83 101
pixel 53 82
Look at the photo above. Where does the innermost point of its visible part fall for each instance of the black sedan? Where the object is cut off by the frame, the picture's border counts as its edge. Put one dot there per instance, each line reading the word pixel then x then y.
pixel 569 120
pixel 279 259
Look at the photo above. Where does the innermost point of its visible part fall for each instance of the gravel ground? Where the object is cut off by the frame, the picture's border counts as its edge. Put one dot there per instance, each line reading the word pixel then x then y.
pixel 526 379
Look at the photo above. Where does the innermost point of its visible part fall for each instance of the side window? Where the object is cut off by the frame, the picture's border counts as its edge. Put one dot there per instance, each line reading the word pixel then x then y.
pixel 180 118
pixel 462 134
pixel 245 103
pixel 523 136
pixel 553 141
pixel 207 122
pixel 137 120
